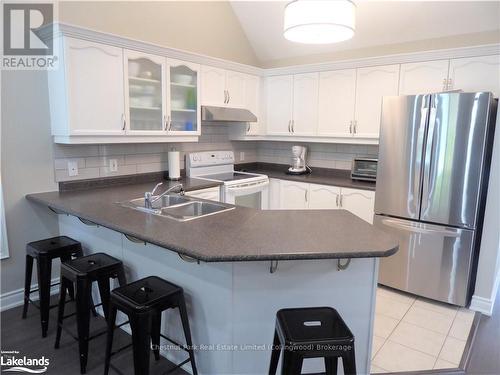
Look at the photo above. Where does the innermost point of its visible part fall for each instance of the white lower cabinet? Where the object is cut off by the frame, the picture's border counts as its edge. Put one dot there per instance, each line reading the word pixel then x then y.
pixel 298 195
pixel 359 202
pixel 294 195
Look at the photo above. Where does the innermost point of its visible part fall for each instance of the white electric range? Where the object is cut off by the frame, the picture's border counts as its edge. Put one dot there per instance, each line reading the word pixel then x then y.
pixel 240 188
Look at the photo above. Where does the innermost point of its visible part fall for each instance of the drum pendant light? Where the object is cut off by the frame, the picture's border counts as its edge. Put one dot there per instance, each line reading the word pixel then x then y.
pixel 319 21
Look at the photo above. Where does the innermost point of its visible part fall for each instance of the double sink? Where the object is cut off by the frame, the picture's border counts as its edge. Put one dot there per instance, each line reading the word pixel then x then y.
pixel 178 207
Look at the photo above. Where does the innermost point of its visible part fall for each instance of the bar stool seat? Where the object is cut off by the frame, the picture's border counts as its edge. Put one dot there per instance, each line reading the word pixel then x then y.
pixel 44 251
pixel 143 301
pixel 313 332
pixel 83 271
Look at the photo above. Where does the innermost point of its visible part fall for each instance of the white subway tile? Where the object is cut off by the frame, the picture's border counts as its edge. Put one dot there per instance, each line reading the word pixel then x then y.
pixel 103 161
pixel 84 173
pixel 63 163
pixel 122 170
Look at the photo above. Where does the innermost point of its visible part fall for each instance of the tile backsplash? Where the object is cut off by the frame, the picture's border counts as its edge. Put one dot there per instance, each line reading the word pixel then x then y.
pixel 93 161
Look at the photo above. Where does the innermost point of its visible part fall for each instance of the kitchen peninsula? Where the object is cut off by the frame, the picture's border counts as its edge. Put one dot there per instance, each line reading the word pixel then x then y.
pixel 237 268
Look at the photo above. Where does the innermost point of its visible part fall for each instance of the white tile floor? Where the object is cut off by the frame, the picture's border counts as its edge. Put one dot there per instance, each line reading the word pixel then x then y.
pixel 413 333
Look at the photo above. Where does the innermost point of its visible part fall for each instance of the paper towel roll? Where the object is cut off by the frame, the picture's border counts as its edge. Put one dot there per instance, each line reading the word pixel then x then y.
pixel 174 165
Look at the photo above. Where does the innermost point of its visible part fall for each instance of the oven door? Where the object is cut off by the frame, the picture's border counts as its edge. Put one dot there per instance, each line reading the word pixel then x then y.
pixel 254 194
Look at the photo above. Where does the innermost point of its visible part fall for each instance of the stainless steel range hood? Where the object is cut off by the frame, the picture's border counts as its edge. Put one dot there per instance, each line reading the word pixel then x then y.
pixel 223 114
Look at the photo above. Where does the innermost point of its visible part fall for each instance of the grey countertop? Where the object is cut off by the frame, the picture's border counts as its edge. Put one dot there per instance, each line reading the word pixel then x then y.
pixel 242 234
pixel 323 176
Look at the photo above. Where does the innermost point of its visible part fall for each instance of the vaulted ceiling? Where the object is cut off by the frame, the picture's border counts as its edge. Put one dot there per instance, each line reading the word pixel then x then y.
pixel 377 23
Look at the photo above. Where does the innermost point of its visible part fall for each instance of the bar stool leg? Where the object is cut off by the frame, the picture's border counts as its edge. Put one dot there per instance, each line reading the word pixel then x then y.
pixel 275 354
pixel 104 291
pixel 292 363
pixel 155 334
pixel 60 310
pixel 349 362
pixel 331 365
pixel 187 331
pixel 27 283
pixel 70 287
pixel 44 267
pixel 140 325
pixel 83 299
pixel 109 340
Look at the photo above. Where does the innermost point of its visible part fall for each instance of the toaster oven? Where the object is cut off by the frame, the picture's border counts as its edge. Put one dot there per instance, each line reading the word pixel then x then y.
pixel 364 169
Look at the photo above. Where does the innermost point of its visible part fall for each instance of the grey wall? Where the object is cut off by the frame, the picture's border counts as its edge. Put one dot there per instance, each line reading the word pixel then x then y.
pixel 27 166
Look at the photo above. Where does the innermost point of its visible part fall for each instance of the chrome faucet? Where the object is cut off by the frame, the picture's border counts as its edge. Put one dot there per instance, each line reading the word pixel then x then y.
pixel 150 198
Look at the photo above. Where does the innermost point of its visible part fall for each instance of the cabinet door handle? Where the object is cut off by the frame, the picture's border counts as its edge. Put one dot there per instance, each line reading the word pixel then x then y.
pixel 305 195
pixel 355 126
pixel 450 84
pixel 169 121
pixel 124 122
pixel 337 200
pixel 165 122
pixel 293 126
pixel 445 84
pixel 248 127
pixel 289 126
pixel 350 127
pixel 228 96
pixel 341 200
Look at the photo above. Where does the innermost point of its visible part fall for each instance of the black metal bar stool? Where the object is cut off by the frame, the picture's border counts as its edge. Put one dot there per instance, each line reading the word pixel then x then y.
pixel 84 271
pixel 144 301
pixel 44 251
pixel 313 332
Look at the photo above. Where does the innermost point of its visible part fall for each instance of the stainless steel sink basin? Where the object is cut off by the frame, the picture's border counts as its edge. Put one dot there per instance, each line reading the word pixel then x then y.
pixel 165 201
pixel 178 207
pixel 193 210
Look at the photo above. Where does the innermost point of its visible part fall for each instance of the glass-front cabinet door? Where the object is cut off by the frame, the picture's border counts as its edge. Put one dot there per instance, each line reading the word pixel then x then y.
pixel 184 93
pixel 145 94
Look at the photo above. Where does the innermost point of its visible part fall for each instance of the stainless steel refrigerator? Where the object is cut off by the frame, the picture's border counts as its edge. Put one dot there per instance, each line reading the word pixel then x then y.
pixel 434 157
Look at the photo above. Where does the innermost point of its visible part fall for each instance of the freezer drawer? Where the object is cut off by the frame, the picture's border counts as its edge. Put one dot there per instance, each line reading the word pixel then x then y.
pixel 433 261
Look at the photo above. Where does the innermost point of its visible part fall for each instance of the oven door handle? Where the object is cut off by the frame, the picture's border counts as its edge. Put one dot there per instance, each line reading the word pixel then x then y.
pixel 247 188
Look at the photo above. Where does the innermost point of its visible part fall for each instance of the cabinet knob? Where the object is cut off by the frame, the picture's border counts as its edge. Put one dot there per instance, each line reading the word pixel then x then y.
pixel 124 121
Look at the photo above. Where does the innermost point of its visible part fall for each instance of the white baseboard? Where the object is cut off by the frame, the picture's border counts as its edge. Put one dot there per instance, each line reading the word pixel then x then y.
pixel 485 305
pixel 15 298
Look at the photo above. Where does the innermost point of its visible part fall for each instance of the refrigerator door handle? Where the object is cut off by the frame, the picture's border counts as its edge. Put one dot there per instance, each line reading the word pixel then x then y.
pixel 426 229
pixel 430 150
pixel 420 140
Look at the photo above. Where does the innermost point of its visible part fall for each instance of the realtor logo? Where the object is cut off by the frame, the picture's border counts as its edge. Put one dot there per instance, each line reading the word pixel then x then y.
pixel 12 361
pixel 23 45
pixel 21 23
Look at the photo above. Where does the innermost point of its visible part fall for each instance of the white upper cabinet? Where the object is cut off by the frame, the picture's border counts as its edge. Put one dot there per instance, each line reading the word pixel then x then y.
pixel 337 95
pixel 323 197
pixel 423 77
pixel 145 93
pixel 476 74
pixel 93 90
pixel 184 116
pixel 213 86
pixel 305 104
pixel 252 102
pixel 279 104
pixel 360 202
pixel 294 195
pixel 235 89
pixel 371 85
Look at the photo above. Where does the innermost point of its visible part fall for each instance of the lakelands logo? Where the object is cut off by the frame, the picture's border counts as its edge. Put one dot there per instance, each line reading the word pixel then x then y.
pixel 11 361
pixel 23 47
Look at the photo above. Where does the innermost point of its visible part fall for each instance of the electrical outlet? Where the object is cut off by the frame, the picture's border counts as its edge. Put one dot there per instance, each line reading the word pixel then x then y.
pixel 72 168
pixel 242 156
pixel 113 165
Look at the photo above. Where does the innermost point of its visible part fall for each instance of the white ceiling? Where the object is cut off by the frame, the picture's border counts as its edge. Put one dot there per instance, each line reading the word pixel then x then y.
pixel 377 23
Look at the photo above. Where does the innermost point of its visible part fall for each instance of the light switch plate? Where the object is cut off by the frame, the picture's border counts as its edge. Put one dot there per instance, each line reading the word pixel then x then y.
pixel 72 168
pixel 113 165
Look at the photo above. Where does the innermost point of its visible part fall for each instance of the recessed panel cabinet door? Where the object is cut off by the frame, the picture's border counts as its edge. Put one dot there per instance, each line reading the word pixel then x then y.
pixel 305 104
pixel 323 197
pixel 213 86
pixel 372 84
pixel 359 202
pixel 235 87
pixel 423 77
pixel 336 102
pixel 279 104
pixel 476 74
pixel 294 195
pixel 94 74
